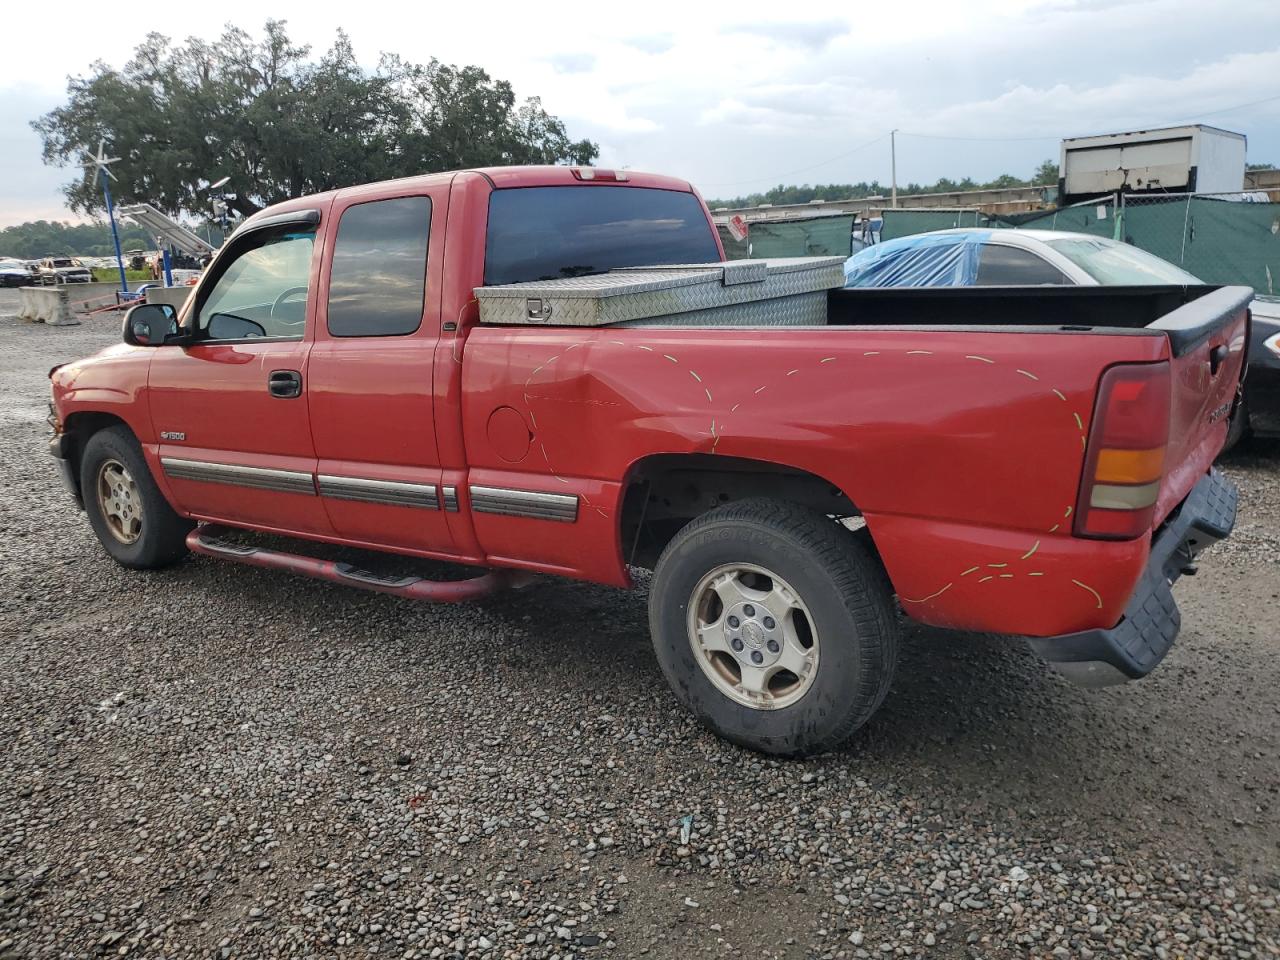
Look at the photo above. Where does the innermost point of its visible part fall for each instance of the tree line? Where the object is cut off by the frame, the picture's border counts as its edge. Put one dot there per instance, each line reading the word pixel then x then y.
pixel 1045 175
pixel 281 124
pixel 43 238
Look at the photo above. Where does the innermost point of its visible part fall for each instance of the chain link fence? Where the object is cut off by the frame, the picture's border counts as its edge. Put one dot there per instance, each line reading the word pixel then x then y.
pixel 1221 238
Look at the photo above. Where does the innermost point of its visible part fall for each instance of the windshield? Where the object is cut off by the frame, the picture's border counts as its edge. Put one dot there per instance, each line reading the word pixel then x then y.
pixel 63 263
pixel 548 233
pixel 1118 264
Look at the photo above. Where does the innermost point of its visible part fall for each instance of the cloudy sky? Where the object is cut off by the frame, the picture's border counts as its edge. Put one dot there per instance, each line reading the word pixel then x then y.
pixel 741 97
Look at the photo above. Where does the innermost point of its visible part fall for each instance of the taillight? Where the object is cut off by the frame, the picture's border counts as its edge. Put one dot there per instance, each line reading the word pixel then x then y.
pixel 1124 462
pixel 595 173
pixel 1272 343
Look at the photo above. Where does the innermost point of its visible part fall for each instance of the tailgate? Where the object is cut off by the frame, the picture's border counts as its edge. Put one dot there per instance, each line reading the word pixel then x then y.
pixel 1207 342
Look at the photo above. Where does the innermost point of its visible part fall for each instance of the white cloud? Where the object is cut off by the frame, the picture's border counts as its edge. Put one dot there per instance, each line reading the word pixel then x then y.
pixel 739 95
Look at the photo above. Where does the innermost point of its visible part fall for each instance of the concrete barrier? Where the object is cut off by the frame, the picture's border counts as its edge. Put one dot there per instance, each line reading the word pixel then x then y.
pixel 93 296
pixel 175 296
pixel 50 305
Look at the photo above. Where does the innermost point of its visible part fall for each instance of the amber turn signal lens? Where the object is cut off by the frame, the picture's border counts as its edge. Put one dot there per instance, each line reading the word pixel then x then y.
pixel 1129 466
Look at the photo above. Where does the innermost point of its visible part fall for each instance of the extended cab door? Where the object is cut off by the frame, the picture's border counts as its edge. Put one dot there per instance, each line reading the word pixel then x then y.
pixel 230 408
pixel 370 395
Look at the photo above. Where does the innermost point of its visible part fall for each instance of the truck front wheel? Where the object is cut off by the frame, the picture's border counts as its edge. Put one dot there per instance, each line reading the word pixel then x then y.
pixel 774 625
pixel 132 519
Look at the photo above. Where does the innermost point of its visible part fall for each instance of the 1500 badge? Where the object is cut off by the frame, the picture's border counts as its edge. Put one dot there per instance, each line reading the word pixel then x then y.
pixel 172 435
pixel 1219 412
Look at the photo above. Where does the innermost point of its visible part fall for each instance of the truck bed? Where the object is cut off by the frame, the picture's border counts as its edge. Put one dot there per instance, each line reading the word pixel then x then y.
pixel 1042 306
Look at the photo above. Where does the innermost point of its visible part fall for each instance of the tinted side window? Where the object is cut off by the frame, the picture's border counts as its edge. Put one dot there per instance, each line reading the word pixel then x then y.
pixel 379 278
pixel 1002 266
pixel 262 290
pixel 548 233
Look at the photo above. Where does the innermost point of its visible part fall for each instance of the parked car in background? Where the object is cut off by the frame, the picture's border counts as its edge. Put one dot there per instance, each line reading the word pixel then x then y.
pixel 14 273
pixel 1262 385
pixel 63 270
pixel 974 257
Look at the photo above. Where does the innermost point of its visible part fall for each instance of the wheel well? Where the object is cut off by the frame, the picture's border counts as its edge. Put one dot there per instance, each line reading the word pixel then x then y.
pixel 666 491
pixel 77 430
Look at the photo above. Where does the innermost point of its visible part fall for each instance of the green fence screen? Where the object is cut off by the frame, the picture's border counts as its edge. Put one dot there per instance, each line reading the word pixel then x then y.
pixel 818 237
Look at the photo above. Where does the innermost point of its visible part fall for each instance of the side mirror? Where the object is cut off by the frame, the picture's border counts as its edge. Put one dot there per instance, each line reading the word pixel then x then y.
pixel 149 324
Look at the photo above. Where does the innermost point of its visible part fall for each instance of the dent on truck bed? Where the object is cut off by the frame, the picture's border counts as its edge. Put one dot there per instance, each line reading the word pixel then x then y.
pixel 962 449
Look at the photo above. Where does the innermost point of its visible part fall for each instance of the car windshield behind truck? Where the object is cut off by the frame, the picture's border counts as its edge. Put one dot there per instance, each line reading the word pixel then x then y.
pixel 548 233
pixel 1112 263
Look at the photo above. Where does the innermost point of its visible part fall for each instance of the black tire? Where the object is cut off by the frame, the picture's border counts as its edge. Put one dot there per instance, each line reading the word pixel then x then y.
pixel 848 597
pixel 162 539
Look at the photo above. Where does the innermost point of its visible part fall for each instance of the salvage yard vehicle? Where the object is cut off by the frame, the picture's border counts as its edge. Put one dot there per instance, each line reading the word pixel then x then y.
pixel 14 273
pixel 549 369
pixel 53 270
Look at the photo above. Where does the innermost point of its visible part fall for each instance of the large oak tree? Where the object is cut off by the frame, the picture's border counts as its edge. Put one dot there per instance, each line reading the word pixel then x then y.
pixel 281 125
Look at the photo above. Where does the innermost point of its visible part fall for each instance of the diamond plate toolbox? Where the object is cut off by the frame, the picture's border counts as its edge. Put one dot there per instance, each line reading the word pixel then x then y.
pixel 642 293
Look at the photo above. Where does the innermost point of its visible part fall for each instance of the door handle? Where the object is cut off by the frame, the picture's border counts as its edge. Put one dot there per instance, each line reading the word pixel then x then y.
pixel 1217 356
pixel 285 383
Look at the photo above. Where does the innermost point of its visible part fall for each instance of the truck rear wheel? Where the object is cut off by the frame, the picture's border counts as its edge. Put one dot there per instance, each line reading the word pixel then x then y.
pixel 774 625
pixel 132 519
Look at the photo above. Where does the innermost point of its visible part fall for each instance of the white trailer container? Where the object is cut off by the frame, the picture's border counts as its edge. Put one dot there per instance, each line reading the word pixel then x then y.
pixel 1190 159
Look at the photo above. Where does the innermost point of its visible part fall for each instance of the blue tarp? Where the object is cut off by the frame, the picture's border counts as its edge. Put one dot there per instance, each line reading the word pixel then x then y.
pixel 928 260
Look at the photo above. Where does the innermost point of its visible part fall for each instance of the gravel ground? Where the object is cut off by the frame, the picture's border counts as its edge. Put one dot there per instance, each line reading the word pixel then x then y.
pixel 218 762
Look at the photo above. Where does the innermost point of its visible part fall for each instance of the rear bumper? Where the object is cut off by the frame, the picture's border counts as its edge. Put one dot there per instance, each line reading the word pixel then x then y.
pixel 1134 646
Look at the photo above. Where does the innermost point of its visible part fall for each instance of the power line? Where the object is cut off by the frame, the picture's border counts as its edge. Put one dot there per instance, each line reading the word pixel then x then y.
pixel 1152 123
pixel 792 173
pixel 939 136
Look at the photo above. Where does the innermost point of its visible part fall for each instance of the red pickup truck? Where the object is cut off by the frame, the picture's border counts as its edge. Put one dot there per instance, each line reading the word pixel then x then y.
pixel 1026 461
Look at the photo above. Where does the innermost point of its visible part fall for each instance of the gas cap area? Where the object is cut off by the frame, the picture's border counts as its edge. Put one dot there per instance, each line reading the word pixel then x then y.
pixel 509 435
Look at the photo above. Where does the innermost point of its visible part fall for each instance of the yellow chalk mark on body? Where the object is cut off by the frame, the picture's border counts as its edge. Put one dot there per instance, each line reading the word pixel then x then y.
pixel 694 374
pixel 1097 596
pixel 872 353
pixel 997 566
pixel 826 359
pixel 1079 422
pixel 919 353
pixel 1034 548
pixel 1061 396
pixel 791 373
pixel 1027 373
pixel 931 596
pixel 969 571
pixel 986 578
pixel 970 356
pixel 760 389
pixel 671 358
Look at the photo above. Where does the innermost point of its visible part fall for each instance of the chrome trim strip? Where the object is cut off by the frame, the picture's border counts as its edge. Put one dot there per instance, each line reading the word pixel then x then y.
pixel 263 478
pixel 525 503
pixel 389 492
pixel 450 498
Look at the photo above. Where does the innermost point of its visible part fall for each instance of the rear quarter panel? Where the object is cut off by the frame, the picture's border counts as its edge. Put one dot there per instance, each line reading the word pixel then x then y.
pixel 962 449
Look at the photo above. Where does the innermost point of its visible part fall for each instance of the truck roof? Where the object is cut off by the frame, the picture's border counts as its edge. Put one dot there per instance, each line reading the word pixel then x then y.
pixel 548 175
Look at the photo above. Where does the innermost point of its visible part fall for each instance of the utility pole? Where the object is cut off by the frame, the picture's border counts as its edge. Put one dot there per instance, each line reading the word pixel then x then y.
pixel 893 168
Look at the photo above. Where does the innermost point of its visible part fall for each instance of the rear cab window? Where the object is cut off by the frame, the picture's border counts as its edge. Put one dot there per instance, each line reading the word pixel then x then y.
pixel 549 233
